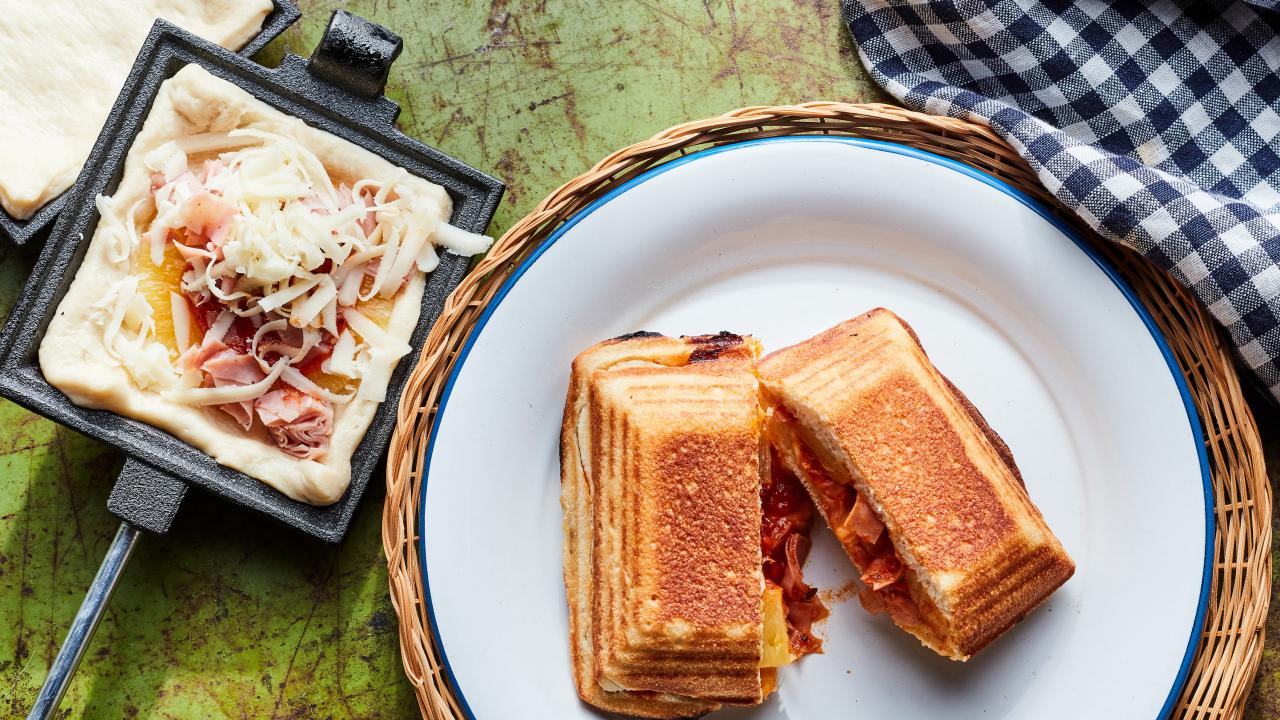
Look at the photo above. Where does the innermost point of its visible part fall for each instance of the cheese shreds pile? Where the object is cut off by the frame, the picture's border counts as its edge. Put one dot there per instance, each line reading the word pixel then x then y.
pixel 278 259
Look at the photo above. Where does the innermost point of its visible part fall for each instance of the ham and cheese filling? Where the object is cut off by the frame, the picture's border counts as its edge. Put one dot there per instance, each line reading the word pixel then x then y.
pixel 860 531
pixel 269 282
pixel 787 516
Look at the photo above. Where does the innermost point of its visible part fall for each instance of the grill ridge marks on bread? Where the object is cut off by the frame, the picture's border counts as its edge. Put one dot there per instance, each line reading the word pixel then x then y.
pixel 865 404
pixel 660 441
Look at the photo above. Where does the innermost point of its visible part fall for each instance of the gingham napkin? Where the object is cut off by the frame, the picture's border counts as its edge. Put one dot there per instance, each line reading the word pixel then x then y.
pixel 1157 122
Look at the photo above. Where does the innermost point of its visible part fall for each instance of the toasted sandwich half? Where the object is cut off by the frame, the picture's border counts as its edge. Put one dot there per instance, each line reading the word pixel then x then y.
pixel 920 491
pixel 663 469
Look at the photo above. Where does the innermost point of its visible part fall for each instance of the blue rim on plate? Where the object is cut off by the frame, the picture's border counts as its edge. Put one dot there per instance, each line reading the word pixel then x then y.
pixel 1192 416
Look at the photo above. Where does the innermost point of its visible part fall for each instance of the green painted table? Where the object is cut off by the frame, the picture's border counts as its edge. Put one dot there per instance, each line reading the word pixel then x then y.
pixel 232 616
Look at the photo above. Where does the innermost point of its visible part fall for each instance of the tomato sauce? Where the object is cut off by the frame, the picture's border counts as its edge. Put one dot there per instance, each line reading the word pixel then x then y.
pixel 786 518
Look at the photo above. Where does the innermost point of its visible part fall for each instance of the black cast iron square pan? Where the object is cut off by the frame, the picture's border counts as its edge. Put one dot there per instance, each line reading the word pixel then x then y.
pixel 339 91
pixel 20 232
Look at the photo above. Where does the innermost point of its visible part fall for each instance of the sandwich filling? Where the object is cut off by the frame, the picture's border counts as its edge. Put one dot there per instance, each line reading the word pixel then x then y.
pixel 886 582
pixel 278 277
pixel 250 287
pixel 921 492
pixel 786 518
pixel 664 478
pixel 282 273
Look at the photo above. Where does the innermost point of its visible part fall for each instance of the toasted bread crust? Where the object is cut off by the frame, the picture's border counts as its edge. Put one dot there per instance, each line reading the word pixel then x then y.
pixel 939 477
pixel 997 442
pixel 659 441
pixel 1002 448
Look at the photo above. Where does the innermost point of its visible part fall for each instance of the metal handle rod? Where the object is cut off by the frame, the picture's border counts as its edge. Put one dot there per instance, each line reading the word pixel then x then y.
pixel 86 621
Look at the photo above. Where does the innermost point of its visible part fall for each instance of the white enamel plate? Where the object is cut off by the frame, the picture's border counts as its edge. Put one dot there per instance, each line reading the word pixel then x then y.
pixel 781 239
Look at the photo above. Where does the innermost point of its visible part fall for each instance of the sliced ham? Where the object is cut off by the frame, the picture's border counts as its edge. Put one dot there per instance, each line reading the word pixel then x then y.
pixel 207 216
pixel 786 516
pixel 860 554
pixel 902 609
pixel 785 509
pixel 863 521
pixel 299 423
pixel 793 584
pixel 896 601
pixel 229 367
pixel 369 222
pixel 863 535
pixel 801 615
pixel 198 355
pixel 835 497
pixel 227 285
pixel 232 368
pixel 241 412
pixel 882 572
pixel 277 338
pixel 872 601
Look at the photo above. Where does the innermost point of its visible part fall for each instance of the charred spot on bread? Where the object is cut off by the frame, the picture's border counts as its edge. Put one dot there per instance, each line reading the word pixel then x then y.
pixel 710 347
pixel 634 335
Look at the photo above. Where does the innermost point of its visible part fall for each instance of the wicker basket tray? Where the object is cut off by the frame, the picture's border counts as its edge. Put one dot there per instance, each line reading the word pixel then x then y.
pixel 1230 647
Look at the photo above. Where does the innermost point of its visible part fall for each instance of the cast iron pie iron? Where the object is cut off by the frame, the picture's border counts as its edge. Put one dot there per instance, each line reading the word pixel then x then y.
pixel 21 232
pixel 339 90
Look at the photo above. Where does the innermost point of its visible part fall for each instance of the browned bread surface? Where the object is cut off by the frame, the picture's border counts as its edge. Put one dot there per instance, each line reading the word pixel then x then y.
pixel 660 488
pixel 940 479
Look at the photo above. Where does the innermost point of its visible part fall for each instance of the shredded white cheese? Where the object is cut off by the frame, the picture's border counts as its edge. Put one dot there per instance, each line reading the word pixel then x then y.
pixel 380 357
pixel 220 326
pixel 342 361
pixel 182 321
pixel 303 383
pixel 268 234
pixel 229 393
pixel 125 319
pixel 462 242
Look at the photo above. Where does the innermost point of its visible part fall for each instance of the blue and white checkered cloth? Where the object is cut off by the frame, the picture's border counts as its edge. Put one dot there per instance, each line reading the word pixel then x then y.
pixel 1157 122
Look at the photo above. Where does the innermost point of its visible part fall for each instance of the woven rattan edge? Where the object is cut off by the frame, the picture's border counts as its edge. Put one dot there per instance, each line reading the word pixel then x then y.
pixel 1231 642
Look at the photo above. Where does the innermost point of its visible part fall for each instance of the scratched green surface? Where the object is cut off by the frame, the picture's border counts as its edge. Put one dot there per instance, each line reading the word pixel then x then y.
pixel 232 616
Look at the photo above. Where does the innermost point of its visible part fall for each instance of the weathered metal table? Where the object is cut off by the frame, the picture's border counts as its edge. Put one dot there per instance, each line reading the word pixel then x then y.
pixel 231 616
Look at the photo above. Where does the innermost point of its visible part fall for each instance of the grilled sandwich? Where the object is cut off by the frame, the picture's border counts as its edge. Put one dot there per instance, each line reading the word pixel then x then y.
pixel 674 521
pixel 921 492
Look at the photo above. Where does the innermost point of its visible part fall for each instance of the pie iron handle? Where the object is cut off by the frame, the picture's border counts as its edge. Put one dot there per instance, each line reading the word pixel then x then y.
pixel 355 55
pixel 145 499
